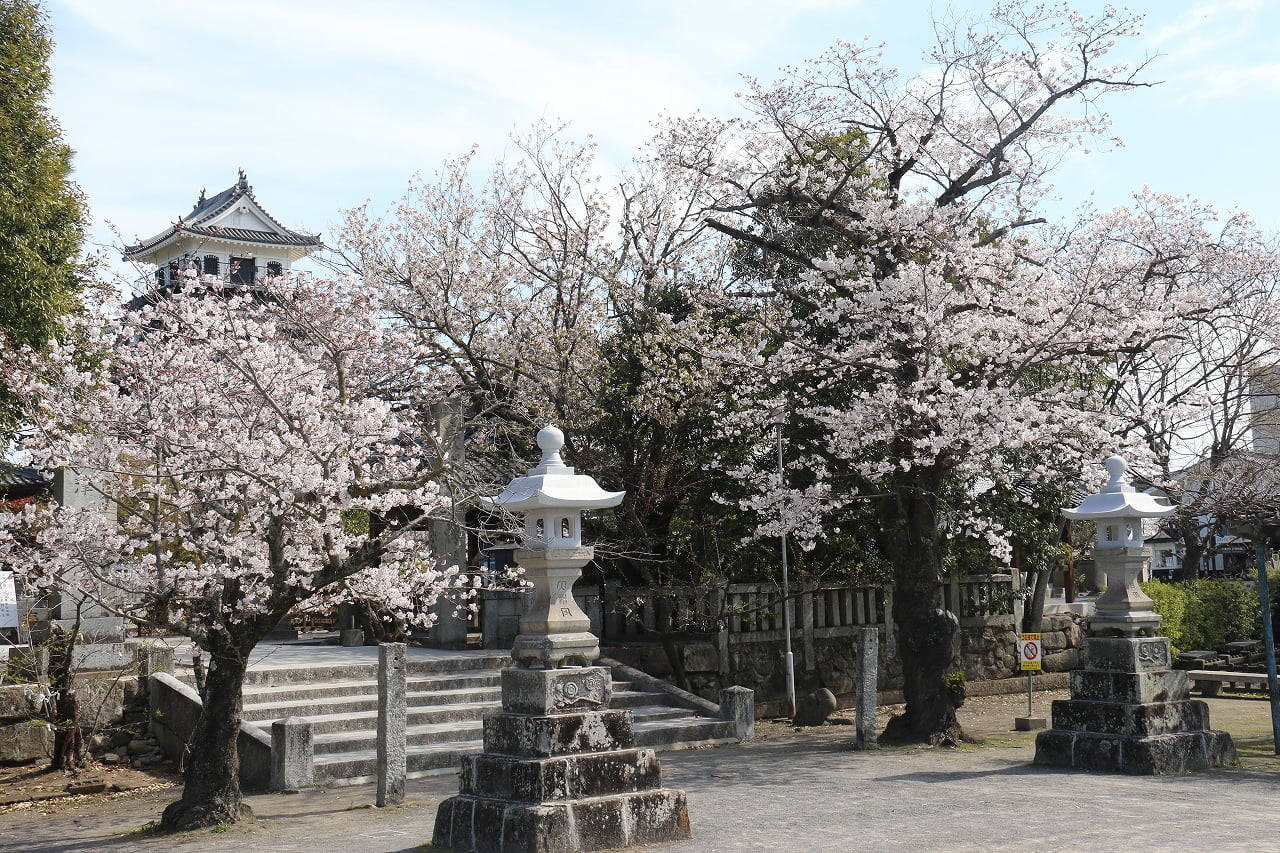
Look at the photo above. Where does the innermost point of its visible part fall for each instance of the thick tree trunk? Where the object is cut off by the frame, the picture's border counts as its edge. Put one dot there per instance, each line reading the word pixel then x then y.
pixel 211 794
pixel 927 632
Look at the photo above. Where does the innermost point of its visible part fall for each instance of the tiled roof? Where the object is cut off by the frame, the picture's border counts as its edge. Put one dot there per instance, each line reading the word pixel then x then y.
pixel 208 208
pixel 18 482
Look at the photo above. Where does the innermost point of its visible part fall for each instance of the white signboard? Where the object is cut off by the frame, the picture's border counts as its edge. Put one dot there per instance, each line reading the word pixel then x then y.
pixel 8 601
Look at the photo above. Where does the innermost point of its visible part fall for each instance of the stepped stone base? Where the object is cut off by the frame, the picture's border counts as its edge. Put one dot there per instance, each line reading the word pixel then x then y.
pixel 1158 754
pixel 562 782
pixel 1129 713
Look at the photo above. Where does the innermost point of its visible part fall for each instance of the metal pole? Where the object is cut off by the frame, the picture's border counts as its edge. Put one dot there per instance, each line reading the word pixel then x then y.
pixel 789 660
pixel 1268 638
pixel 1028 693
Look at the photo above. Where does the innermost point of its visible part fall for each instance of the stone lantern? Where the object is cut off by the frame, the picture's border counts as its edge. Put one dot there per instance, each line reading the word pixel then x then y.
pixel 1129 711
pixel 1118 510
pixel 560 769
pixel 554 631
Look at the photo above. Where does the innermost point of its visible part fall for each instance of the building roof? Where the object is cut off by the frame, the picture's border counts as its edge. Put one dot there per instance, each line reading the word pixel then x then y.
pixel 18 482
pixel 205 222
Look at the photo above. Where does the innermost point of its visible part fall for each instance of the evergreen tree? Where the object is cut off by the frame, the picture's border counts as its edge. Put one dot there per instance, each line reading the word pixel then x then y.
pixel 42 212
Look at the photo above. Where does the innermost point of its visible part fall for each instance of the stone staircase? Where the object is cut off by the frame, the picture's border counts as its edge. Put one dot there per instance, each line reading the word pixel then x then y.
pixel 448 697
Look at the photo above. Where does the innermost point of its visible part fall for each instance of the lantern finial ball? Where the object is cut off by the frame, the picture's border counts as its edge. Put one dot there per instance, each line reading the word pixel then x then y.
pixel 550 438
pixel 1116 466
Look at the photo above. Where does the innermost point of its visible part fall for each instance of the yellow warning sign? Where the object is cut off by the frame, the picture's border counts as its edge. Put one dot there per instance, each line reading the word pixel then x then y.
pixel 1029 652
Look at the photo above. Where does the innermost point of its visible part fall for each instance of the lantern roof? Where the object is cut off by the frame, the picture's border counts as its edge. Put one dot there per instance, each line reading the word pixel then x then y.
pixel 1118 499
pixel 553 484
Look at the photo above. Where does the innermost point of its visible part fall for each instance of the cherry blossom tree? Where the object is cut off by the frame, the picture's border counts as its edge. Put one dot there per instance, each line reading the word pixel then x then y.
pixel 540 292
pixel 929 332
pixel 1189 400
pixel 231 437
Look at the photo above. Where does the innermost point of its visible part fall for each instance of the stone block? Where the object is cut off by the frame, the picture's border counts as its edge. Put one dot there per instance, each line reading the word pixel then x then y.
pixel 548 735
pixel 1062 661
pixel 739 704
pixel 25 741
pixel 88 657
pixel 814 708
pixel 540 780
pixel 106 630
pixel 1155 718
pixel 701 657
pixel 1168 753
pixel 1053 641
pixel 292 754
pixel 556 691
pixel 1130 687
pixel 153 658
pixel 18 702
pixel 601 824
pixel 471 824
pixel 1127 654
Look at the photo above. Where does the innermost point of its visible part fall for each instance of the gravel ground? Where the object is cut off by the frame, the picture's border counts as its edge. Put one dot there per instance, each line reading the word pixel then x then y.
pixel 785 790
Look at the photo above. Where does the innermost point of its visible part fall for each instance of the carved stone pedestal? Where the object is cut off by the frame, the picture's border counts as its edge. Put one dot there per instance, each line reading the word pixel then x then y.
pixel 1130 713
pixel 559 772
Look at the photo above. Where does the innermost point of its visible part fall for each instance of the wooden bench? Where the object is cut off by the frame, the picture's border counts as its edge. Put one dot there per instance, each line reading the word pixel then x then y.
pixel 1209 681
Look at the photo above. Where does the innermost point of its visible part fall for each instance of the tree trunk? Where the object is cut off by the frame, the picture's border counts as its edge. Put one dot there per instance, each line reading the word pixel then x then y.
pixel 926 630
pixel 1033 615
pixel 1192 558
pixel 68 739
pixel 211 793
pixel 64 708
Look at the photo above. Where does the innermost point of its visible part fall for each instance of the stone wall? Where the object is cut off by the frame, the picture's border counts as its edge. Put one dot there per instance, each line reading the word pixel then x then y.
pixel 1062 637
pixel 175 710
pixel 107 701
pixel 759 666
pixel 987 652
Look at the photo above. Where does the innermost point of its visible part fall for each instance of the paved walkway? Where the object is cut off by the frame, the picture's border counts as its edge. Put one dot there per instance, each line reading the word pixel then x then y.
pixel 792 792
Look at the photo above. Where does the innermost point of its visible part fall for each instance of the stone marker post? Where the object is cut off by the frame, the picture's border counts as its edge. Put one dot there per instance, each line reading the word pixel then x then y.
pixel 391 724
pixel 292 754
pixel 868 657
pixel 560 769
pixel 1129 711
pixel 739 704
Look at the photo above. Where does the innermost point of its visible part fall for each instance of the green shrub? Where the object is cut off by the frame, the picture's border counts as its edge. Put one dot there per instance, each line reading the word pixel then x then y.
pixel 1171 603
pixel 1206 613
pixel 1221 612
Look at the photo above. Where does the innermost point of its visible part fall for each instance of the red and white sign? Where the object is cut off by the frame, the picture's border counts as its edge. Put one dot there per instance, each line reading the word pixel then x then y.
pixel 1029 652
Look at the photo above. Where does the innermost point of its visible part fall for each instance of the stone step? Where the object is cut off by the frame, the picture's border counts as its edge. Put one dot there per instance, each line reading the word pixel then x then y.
pixel 329 743
pixel 661 734
pixel 359 731
pixel 333 706
pixel 357 765
pixel 360 766
pixel 264 673
pixel 331 713
pixel 312 690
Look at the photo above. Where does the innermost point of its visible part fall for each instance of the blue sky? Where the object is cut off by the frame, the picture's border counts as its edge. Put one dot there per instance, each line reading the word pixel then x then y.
pixel 329 103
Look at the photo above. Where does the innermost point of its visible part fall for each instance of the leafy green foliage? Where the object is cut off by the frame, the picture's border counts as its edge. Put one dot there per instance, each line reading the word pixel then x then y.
pixel 1206 613
pixel 42 213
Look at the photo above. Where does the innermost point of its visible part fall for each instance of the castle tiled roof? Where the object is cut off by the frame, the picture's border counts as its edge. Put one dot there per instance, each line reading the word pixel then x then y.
pixel 199 223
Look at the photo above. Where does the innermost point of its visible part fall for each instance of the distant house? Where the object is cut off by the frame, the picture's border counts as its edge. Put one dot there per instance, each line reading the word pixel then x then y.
pixel 229 236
